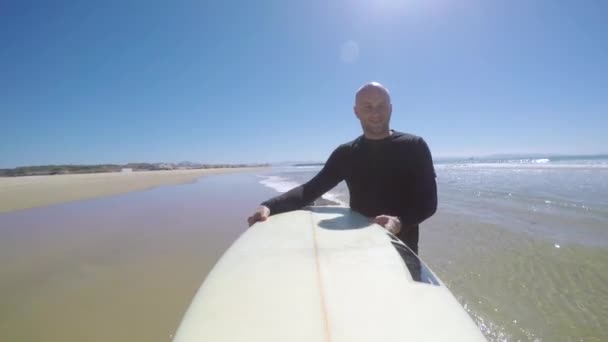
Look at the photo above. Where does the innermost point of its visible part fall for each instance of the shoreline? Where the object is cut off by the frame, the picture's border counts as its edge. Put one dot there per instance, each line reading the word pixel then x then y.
pixel 18 193
pixel 132 262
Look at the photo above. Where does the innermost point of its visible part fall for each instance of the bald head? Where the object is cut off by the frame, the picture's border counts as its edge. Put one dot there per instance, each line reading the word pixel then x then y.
pixel 373 108
pixel 372 87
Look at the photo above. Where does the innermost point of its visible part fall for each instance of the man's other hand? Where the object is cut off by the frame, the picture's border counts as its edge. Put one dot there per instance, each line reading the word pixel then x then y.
pixel 390 223
pixel 261 214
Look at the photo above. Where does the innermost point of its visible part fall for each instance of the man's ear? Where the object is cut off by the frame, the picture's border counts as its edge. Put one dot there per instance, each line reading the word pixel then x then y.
pixel 355 110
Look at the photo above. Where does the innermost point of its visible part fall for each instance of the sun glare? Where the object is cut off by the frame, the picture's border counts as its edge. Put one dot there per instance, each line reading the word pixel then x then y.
pixel 389 6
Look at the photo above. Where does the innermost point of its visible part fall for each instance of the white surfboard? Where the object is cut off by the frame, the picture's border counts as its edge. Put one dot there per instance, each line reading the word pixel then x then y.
pixel 323 274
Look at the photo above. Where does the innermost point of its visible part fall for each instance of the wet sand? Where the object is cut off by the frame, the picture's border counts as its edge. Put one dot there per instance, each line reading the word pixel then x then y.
pixel 36 191
pixel 119 268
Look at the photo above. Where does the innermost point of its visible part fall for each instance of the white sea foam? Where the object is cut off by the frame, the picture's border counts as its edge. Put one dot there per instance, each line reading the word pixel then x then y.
pixel 282 184
pixel 334 198
pixel 541 161
pixel 539 165
pixel 594 162
pixel 308 167
pixel 279 184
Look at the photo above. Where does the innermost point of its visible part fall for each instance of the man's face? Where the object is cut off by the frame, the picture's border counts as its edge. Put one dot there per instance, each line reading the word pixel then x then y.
pixel 373 108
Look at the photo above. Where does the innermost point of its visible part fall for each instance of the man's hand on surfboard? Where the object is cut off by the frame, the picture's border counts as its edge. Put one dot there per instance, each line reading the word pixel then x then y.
pixel 261 214
pixel 390 223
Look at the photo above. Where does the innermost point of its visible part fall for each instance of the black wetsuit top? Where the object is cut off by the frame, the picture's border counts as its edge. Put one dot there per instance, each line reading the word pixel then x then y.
pixel 392 176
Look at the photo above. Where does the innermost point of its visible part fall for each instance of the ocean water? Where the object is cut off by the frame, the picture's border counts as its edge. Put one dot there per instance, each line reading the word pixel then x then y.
pixel 522 242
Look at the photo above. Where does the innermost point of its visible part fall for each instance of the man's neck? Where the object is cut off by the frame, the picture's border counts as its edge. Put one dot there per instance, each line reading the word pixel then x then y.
pixel 379 136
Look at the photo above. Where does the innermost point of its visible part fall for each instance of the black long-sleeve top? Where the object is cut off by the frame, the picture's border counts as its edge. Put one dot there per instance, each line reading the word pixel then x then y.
pixel 392 176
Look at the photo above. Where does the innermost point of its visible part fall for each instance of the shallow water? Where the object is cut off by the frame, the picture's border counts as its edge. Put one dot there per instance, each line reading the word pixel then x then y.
pixel 524 247
pixel 124 268
pixel 120 268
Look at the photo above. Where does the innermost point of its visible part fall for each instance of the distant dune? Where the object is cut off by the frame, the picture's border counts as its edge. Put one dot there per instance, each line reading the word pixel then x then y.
pixel 35 191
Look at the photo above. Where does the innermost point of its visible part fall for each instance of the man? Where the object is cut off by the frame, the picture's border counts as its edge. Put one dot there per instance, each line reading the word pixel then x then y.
pixel 389 174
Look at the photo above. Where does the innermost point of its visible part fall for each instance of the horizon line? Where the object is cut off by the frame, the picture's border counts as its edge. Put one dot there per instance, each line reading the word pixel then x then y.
pixel 439 157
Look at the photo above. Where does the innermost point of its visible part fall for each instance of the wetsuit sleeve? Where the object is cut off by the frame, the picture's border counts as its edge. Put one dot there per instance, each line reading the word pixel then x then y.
pixel 303 195
pixel 423 202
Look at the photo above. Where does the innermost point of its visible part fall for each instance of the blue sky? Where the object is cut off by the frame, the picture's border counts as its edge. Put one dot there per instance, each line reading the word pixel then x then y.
pixel 266 81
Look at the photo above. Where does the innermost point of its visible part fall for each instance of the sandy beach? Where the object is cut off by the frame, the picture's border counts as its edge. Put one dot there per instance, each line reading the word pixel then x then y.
pixel 118 268
pixel 35 191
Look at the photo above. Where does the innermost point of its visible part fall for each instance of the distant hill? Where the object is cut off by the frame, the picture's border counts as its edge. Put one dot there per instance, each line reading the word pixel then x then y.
pixel 42 170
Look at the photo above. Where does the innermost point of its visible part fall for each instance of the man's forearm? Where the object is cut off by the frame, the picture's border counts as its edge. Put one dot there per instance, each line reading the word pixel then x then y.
pixel 413 218
pixel 294 199
pixel 424 208
pixel 305 194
